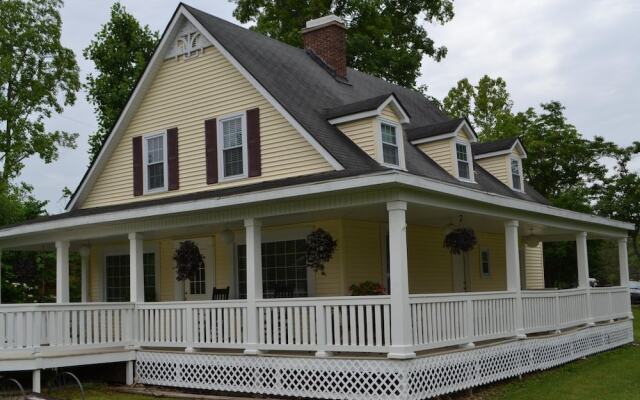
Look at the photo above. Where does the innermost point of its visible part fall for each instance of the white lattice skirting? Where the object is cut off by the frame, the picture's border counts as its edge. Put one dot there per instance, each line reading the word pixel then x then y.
pixel 340 378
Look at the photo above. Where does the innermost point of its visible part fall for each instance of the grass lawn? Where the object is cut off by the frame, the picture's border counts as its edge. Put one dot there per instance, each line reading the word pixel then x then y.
pixel 611 375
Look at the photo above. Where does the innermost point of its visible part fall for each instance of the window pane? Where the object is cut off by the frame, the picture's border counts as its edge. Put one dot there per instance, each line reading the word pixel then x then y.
pixel 155 176
pixel 390 154
pixel 232 133
pixel 461 152
pixel 117 271
pixel 149 263
pixel 463 169
pixel 388 133
pixel 232 161
pixel 155 151
pixel 515 174
pixel 198 284
pixel 463 161
pixel 485 262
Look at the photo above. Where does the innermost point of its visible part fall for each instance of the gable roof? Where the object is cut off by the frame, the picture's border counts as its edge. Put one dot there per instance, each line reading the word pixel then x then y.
pixel 300 88
pixel 497 147
pixel 440 130
pixel 366 108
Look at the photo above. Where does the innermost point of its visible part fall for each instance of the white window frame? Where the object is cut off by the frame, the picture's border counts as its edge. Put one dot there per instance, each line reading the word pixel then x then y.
pixel 399 144
pixel 519 161
pixel 123 250
pixel 482 273
pixel 471 178
pixel 245 152
pixel 145 160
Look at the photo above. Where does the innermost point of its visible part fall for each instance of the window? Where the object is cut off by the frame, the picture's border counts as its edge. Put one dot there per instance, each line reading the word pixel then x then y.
pixel 462 155
pixel 199 283
pixel 389 144
pixel 117 273
pixel 155 170
pixel 485 263
pixel 283 266
pixel 232 142
pixel 516 178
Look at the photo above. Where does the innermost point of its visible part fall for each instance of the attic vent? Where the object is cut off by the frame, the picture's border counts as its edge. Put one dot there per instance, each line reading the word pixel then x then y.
pixel 189 45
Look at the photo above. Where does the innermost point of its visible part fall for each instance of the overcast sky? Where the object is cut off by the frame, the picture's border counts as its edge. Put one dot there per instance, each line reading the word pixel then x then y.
pixel 586 54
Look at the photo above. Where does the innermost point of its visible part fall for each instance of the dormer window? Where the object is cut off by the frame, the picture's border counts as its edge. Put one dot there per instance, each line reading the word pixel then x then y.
pixel 516 174
pixel 390 153
pixel 463 161
pixel 155 162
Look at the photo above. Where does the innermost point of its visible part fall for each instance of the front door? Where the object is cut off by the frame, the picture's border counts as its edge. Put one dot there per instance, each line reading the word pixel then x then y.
pixel 201 287
pixel 460 275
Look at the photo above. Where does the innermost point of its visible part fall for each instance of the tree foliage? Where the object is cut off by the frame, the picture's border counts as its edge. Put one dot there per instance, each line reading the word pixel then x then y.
pixel 120 52
pixel 38 76
pixel 385 38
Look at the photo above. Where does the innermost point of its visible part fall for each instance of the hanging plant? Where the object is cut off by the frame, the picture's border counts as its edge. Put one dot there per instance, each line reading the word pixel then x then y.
pixel 320 248
pixel 188 260
pixel 460 240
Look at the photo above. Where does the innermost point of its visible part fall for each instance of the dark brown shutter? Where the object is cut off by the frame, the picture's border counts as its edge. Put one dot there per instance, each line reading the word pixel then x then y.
pixel 211 146
pixel 172 158
pixel 137 166
pixel 253 141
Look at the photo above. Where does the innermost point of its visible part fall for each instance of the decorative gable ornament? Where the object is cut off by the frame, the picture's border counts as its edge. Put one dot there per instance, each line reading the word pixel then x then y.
pixel 189 45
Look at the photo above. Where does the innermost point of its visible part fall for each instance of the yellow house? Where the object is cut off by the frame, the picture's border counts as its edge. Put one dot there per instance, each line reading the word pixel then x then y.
pixel 336 225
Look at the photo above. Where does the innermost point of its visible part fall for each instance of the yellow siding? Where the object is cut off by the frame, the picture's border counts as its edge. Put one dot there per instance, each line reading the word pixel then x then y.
pixel 363 259
pixel 497 260
pixel 441 152
pixel 362 132
pixel 429 263
pixel 389 113
pixel 183 95
pixel 534 267
pixel 95 274
pixel 497 166
pixel 332 282
pixel 167 290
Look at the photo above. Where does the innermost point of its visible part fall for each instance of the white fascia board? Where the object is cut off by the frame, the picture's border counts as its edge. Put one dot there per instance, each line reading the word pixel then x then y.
pixel 434 138
pixel 468 131
pixel 147 78
pixel 362 181
pixel 264 92
pixel 508 151
pixel 404 117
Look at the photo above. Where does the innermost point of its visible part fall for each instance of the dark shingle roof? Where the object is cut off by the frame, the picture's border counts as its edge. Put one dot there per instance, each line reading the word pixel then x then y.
pixel 440 128
pixel 357 107
pixel 491 147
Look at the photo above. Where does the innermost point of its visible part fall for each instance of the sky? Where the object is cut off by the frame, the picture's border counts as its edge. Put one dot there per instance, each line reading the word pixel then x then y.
pixel 583 53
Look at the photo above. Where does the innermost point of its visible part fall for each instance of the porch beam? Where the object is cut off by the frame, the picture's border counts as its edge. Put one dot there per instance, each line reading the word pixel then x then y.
pixel 84 274
pixel 136 270
pixel 253 232
pixel 512 240
pixel 401 337
pixel 582 257
pixel 62 271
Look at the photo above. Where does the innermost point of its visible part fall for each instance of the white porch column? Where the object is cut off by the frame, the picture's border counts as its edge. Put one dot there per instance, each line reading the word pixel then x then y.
pixel 583 270
pixel 84 274
pixel 136 270
pixel 253 234
pixel 0 276
pixel 62 271
pixel 513 271
pixel 401 338
pixel 623 261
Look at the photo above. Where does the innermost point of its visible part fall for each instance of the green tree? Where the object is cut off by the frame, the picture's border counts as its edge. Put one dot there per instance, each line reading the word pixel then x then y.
pixel 38 76
pixel 386 38
pixel 487 105
pixel 120 52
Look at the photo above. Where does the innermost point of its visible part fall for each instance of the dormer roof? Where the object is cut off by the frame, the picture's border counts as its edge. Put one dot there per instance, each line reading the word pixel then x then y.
pixel 441 130
pixel 497 148
pixel 366 108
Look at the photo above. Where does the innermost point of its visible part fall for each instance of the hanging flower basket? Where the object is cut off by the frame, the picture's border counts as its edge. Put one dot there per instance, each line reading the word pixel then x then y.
pixel 320 248
pixel 188 260
pixel 460 240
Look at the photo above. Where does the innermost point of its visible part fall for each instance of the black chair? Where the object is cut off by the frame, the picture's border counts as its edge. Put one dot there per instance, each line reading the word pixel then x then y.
pixel 283 292
pixel 220 294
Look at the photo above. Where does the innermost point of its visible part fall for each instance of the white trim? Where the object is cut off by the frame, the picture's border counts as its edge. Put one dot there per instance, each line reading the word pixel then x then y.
pixel 391 100
pixel 399 143
pixel 289 192
pixel 123 250
pixel 467 145
pixel 165 162
pixel 463 126
pixel 220 156
pixel 482 273
pixel 435 138
pixel 146 80
pixel 297 126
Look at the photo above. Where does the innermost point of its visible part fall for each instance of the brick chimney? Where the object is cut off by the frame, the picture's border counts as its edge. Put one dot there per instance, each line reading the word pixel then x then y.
pixel 327 38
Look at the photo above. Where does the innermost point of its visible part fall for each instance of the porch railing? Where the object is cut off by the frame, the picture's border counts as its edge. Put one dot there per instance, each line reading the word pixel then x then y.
pixel 324 324
pixel 33 326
